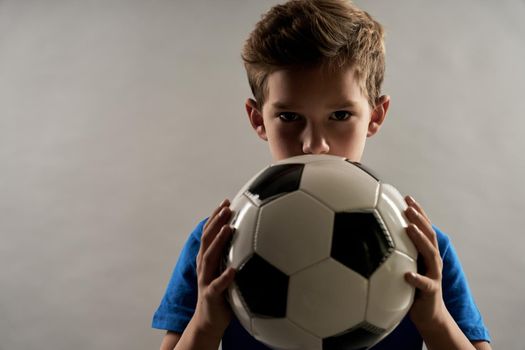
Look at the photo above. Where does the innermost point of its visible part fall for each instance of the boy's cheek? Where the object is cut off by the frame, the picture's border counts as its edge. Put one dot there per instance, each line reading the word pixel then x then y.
pixel 284 145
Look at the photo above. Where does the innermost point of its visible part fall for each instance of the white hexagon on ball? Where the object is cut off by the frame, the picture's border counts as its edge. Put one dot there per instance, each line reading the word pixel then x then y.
pixel 281 333
pixel 318 298
pixel 390 296
pixel 294 231
pixel 362 187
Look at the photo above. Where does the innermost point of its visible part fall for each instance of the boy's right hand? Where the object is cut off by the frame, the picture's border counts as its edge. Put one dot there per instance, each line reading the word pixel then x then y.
pixel 213 313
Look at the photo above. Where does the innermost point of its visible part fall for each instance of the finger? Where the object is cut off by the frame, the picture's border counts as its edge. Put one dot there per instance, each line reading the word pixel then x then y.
pixel 221 283
pixel 209 234
pixel 213 255
pixel 413 203
pixel 425 247
pixel 223 204
pixel 422 283
pixel 422 223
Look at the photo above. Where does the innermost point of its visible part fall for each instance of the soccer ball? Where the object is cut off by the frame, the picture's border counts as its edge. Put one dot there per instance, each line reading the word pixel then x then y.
pixel 321 251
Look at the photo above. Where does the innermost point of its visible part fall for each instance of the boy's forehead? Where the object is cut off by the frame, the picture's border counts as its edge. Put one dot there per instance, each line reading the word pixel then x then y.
pixel 317 72
pixel 337 103
pixel 286 86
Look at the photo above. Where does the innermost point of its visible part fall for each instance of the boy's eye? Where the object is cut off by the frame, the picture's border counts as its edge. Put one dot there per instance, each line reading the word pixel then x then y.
pixel 289 116
pixel 340 115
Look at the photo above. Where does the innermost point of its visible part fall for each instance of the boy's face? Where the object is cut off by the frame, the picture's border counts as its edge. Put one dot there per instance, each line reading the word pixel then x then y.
pixel 316 111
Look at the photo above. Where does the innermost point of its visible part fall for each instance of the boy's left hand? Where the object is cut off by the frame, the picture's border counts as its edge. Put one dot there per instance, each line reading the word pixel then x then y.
pixel 428 308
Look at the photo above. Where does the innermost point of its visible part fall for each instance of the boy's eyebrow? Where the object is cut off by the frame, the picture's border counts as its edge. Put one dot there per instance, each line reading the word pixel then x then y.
pixel 282 105
pixel 342 104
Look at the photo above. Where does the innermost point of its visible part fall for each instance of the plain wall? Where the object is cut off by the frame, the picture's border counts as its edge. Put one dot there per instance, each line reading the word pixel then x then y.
pixel 122 124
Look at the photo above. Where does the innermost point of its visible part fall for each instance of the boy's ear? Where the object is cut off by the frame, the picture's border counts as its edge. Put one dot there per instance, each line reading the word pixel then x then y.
pixel 378 115
pixel 256 118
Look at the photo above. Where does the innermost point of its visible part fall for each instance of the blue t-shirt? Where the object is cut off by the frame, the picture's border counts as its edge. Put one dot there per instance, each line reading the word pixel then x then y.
pixel 178 304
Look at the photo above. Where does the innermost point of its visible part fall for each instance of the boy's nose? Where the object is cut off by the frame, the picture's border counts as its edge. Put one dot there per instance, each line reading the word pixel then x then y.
pixel 315 143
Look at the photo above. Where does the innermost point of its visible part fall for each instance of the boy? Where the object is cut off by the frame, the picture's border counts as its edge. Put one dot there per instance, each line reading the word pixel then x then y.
pixel 315 68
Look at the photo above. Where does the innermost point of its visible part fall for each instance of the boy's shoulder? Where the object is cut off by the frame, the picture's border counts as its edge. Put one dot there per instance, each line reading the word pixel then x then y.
pixel 197 231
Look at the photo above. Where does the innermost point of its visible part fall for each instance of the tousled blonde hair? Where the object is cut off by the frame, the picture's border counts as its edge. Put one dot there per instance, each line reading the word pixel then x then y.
pixel 309 33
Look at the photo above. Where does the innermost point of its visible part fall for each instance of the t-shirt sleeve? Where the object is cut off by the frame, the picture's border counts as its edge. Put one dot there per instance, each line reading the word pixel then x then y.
pixel 456 293
pixel 178 304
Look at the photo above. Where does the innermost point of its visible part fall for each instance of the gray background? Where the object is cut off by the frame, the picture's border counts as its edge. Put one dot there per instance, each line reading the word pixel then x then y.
pixel 122 125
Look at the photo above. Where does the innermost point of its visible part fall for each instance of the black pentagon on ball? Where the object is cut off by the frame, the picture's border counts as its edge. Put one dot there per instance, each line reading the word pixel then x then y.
pixel 277 179
pixel 360 337
pixel 360 242
pixel 263 287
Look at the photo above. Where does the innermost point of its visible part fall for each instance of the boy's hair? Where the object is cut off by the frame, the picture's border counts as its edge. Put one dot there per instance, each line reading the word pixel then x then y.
pixel 310 33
